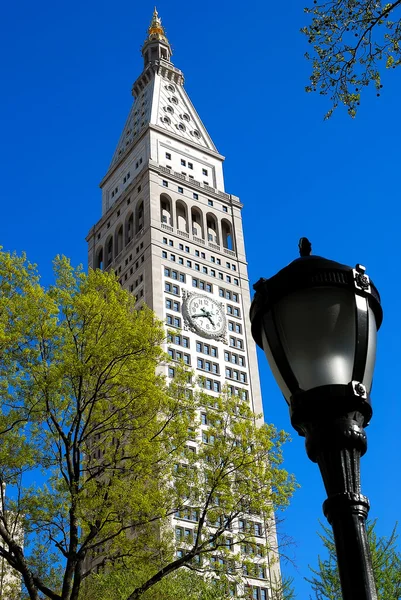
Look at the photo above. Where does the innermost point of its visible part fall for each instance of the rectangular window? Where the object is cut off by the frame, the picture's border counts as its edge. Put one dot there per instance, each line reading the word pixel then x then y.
pixel 210 202
pixel 164 254
pixel 180 190
pixel 186 248
pixel 204 171
pixel 165 183
pixel 164 240
pixel 190 165
pixel 181 246
pixel 180 260
pixel 183 162
pixel 225 209
pixel 168 155
pixel 195 196
pixel 212 272
pixel 176 290
pixel 197 267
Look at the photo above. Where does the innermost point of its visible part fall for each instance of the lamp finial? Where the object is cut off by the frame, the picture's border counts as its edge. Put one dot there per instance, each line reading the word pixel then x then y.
pixel 305 247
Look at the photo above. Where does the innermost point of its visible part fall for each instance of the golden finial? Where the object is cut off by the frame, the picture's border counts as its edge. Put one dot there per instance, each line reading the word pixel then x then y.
pixel 156 29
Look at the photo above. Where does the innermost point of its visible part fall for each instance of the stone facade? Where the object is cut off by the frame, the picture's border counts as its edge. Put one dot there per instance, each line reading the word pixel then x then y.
pixel 169 229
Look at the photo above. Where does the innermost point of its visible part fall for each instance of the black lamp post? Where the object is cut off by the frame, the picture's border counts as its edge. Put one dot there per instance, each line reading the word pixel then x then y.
pixel 317 321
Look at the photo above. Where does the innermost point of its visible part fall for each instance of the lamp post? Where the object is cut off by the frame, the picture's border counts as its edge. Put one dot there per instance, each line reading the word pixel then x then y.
pixel 317 321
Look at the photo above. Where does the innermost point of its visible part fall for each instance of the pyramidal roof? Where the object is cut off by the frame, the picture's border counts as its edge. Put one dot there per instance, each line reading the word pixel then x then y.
pixel 160 98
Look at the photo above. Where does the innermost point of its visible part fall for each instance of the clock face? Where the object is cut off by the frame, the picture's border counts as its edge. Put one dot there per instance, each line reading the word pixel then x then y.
pixel 204 315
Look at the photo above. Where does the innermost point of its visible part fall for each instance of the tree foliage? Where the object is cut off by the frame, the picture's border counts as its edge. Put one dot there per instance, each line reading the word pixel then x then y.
pixel 351 40
pixel 97 448
pixel 386 561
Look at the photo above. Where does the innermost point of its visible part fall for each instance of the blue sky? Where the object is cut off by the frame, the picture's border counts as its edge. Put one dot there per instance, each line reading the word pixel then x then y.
pixel 66 77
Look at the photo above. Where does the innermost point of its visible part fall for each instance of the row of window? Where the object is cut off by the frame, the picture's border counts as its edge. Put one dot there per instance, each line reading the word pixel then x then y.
pixel 236 359
pixel 132 269
pixel 254 570
pixel 236 327
pixel 239 392
pixel 237 375
pixel 191 219
pixel 123 234
pixel 173 321
pixel 173 305
pixel 207 349
pixel 177 275
pixel 210 384
pixel 202 285
pixel 236 343
pixel 173 289
pixel 253 527
pixel 233 310
pixel 207 365
pixel 200 346
pixel 228 295
pixel 213 259
pixel 258 593
pixel 198 267
pixel 178 355
pixel 179 340
pixel 188 514
pixel 126 178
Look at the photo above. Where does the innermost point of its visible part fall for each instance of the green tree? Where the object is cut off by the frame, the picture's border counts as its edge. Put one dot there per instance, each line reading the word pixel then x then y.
pixel 386 560
pixel 96 448
pixel 351 41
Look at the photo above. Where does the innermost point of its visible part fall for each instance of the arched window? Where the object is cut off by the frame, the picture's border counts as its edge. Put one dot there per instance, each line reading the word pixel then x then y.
pixel 129 228
pixel 181 215
pixel 109 251
pixel 227 233
pixel 165 210
pixel 212 229
pixel 139 217
pixel 197 222
pixel 119 240
pixel 99 259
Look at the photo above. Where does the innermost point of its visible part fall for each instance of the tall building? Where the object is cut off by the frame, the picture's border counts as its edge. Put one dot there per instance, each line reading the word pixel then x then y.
pixel 174 235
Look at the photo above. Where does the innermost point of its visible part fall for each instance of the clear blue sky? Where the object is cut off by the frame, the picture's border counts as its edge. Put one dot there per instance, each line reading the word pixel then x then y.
pixel 66 75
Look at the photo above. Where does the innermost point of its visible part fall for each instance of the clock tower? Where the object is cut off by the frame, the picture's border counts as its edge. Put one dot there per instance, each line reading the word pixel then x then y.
pixel 174 236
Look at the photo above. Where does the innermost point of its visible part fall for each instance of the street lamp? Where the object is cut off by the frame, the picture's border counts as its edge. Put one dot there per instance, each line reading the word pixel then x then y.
pixel 317 321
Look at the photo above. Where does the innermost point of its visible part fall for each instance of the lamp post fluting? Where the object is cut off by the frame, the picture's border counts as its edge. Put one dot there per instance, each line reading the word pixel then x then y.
pixel 317 321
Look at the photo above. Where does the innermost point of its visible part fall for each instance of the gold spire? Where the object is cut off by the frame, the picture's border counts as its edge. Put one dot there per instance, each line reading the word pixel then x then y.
pixel 156 29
